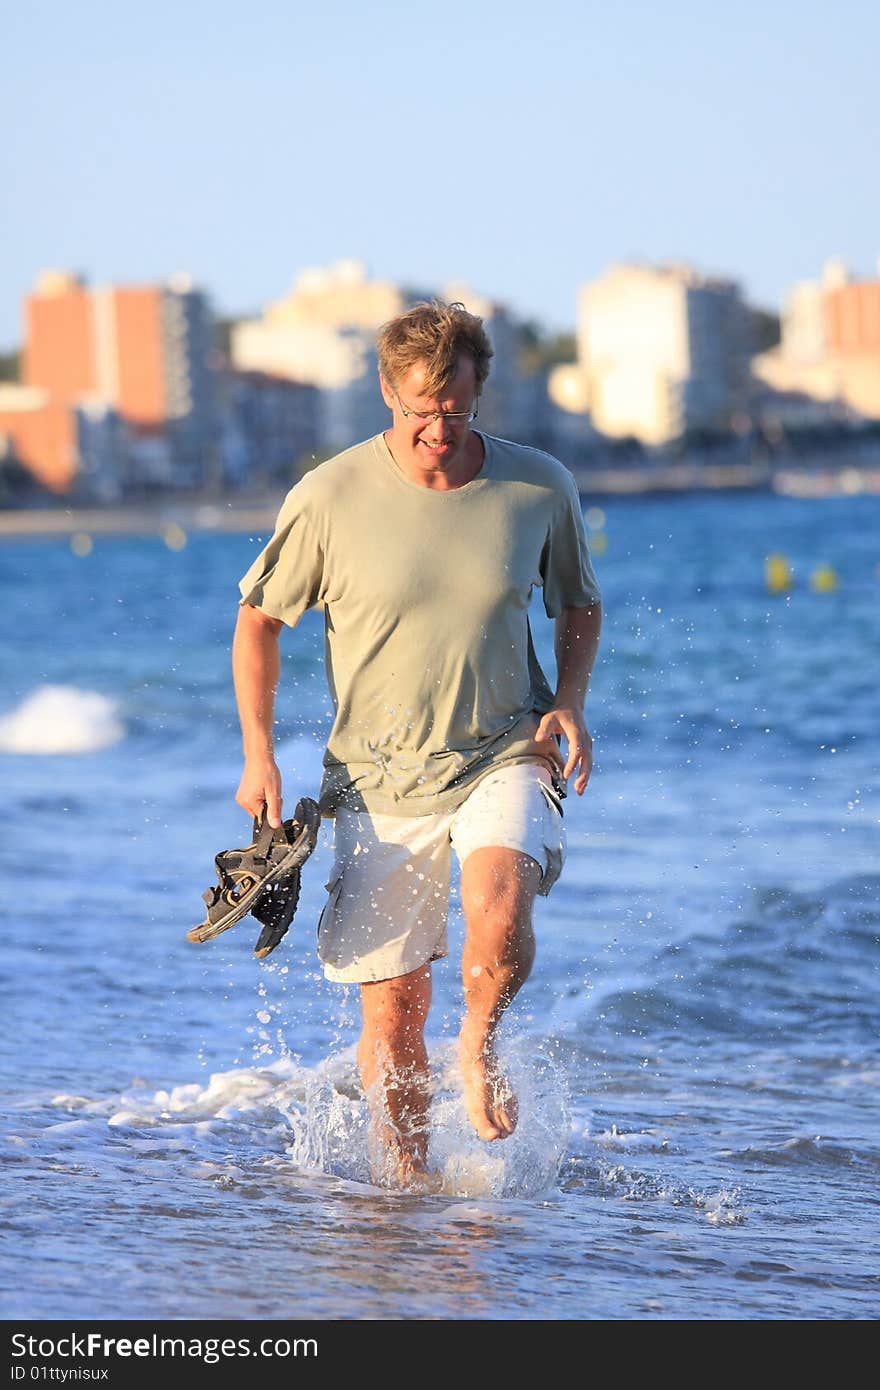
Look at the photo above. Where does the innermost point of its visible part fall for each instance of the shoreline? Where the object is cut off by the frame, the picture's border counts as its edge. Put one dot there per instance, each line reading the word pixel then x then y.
pixel 172 514
pixel 141 518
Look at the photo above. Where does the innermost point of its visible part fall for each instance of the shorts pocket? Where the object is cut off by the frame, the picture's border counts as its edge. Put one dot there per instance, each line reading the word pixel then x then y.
pixel 552 798
pixel 334 890
pixel 554 839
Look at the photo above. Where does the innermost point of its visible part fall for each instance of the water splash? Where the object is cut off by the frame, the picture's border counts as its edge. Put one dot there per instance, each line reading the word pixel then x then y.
pixel 331 1129
pixel 325 1122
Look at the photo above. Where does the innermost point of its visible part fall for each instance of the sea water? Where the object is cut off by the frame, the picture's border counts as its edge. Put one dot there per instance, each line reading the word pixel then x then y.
pixel 696 1054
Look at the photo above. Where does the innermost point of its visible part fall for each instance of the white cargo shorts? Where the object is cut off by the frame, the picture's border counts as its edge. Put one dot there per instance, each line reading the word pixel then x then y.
pixel 389 887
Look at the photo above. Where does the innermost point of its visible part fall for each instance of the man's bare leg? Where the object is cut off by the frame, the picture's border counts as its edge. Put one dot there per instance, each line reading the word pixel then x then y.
pixel 498 888
pixel 393 1064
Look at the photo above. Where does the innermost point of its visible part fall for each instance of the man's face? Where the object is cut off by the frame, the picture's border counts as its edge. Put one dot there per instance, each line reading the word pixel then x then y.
pixel 434 444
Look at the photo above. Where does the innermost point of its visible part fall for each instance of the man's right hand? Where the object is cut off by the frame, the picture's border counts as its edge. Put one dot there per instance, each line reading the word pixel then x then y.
pixel 260 786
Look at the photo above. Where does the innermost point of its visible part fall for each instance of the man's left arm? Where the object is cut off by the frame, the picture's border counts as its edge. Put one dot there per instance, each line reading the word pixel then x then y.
pixel 576 642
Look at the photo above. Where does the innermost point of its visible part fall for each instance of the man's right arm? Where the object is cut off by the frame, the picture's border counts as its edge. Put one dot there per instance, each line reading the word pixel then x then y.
pixel 256 667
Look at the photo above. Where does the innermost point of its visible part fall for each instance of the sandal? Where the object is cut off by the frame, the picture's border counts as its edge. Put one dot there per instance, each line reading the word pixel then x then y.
pixel 263 879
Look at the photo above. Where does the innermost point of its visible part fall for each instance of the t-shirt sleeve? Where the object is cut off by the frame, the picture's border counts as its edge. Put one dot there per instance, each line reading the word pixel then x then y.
pixel 566 568
pixel 288 576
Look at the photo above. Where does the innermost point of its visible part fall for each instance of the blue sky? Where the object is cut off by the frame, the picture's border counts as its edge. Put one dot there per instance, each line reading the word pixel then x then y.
pixel 519 147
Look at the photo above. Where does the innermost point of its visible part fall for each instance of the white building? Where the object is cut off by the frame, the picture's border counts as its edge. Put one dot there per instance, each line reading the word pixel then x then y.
pixel 505 405
pixel 324 334
pixel 569 424
pixel 663 351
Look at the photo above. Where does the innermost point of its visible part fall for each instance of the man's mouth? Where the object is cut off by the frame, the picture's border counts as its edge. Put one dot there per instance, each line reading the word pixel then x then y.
pixel 437 448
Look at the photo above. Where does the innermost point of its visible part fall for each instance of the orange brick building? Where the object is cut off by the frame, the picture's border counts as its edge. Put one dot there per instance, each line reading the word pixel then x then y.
pixel 139 341
pixel 140 352
pixel 112 343
pixel 42 433
pixel 59 348
pixel 852 326
pixel 852 318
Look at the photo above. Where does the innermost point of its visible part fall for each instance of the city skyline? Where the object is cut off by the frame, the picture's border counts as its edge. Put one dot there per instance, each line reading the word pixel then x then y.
pixel 522 161
pixel 450 287
pixel 125 388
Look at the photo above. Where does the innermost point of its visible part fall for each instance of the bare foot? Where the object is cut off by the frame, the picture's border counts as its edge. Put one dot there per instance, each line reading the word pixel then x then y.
pixel 404 1168
pixel 418 1180
pixel 491 1105
pixel 398 1098
pixel 399 1153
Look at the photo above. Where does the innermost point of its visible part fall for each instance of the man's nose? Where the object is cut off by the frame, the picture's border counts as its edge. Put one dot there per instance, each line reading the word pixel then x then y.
pixel 439 427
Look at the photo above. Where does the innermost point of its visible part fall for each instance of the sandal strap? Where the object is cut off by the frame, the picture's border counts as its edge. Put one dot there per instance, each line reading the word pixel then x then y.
pixel 264 834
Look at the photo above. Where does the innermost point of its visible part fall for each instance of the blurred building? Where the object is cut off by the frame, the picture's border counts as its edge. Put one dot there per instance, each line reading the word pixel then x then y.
pixel 569 421
pixel 663 351
pixel 540 405
pixel 141 353
pixel 829 351
pixel 65 446
pixel 507 403
pixel 852 320
pixel 269 431
pixel 59 354
pixel 323 334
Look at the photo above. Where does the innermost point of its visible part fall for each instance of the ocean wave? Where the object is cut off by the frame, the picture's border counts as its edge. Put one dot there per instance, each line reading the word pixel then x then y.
pixel 805 1150
pixel 61 719
pixel 793 960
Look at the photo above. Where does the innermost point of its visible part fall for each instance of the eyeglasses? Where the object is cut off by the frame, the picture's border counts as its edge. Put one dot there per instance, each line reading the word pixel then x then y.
pixel 427 417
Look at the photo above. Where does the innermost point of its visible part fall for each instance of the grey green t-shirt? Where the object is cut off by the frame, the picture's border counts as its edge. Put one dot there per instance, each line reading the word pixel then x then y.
pixel 429 653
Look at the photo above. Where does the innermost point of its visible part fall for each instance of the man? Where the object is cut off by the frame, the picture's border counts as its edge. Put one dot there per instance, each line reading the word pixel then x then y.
pixel 423 545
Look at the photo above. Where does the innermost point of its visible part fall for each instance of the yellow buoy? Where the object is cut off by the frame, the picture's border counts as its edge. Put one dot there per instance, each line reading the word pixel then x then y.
pixel 599 542
pixel 81 544
pixel 174 536
pixel 778 574
pixel 824 580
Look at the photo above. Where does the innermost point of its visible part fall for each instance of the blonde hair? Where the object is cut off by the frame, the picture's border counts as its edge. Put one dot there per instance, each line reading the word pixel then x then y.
pixel 437 335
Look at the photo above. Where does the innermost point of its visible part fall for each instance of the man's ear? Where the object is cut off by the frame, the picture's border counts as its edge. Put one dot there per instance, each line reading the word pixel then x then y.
pixel 387 392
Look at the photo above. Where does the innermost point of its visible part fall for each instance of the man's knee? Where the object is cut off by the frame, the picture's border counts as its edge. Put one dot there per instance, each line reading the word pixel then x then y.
pixel 498 890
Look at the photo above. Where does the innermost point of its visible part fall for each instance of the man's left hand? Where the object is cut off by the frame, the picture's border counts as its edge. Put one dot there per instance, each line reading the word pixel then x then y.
pixel 570 724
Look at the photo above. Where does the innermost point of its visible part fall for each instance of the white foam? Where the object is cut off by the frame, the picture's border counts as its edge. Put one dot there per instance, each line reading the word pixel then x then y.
pixel 722 1208
pixel 227 1094
pixel 632 1140
pixel 61 719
